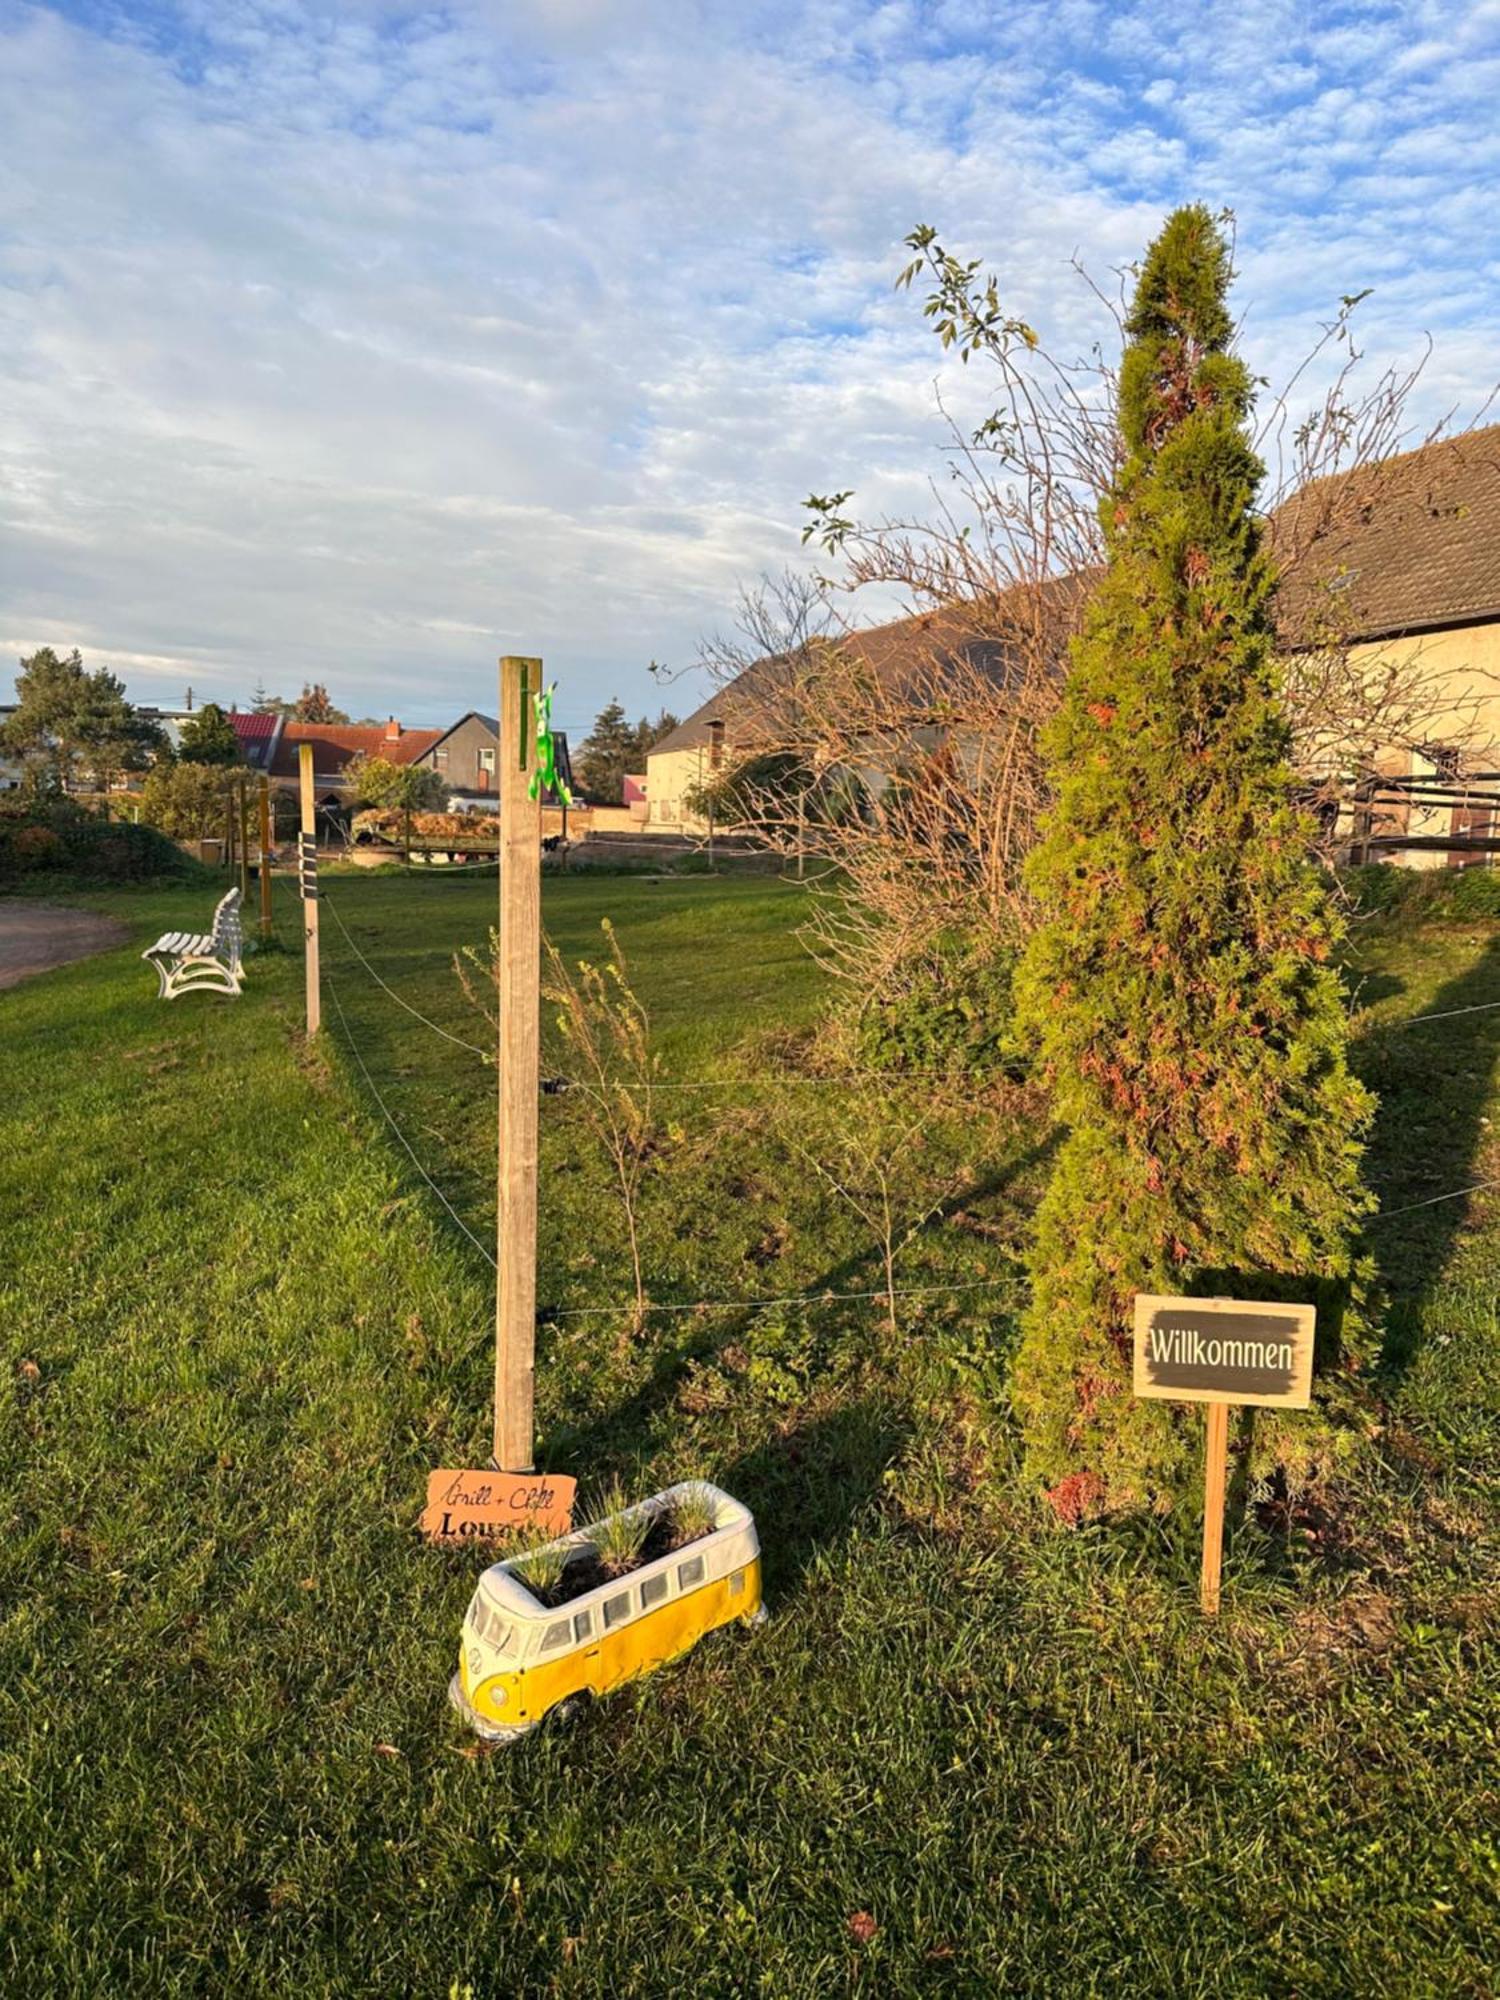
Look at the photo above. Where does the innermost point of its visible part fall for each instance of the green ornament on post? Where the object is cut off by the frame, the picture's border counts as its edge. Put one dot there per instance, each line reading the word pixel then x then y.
pixel 545 777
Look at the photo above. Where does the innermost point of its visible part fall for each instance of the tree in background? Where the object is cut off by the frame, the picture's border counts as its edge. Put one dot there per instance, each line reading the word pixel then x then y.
pixel 313 705
pixel 615 747
pixel 380 784
pixel 208 737
pixel 187 801
pixel 1181 985
pixel 69 720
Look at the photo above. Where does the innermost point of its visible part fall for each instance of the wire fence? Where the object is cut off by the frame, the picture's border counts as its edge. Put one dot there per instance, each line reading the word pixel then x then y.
pixel 559 1085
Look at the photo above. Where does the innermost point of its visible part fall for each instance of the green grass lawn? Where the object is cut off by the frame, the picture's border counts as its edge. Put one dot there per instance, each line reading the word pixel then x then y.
pixel 240 1328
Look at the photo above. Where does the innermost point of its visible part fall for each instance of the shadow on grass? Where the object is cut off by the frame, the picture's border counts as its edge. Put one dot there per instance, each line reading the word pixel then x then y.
pixel 632 1425
pixel 807 1485
pixel 1433 1080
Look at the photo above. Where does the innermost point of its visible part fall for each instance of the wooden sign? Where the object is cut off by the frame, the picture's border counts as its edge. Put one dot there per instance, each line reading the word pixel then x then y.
pixel 1222 1351
pixel 481 1506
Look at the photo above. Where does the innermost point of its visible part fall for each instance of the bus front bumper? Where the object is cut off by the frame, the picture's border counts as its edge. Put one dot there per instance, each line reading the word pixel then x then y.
pixel 492 1732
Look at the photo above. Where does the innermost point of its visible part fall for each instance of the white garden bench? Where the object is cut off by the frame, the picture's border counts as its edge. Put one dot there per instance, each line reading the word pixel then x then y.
pixel 186 963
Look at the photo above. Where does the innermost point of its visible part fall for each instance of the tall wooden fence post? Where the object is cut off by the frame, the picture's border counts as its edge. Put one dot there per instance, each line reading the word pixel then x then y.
pixel 265 859
pixel 519 1060
pixel 307 859
pixel 243 829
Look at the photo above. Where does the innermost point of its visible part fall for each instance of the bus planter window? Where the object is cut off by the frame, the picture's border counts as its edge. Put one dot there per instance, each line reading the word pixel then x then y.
pixel 548 1629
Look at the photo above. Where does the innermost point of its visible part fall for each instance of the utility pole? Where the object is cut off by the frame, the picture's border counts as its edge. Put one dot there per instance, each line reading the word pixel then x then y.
pixel 265 859
pixel 518 1059
pixel 307 880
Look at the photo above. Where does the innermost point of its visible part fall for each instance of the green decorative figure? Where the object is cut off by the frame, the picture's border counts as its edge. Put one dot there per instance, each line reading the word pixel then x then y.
pixel 545 778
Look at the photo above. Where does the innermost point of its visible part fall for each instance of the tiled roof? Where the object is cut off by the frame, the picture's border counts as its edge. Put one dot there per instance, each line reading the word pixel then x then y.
pixel 1405 546
pixel 251 728
pixel 336 744
pixel 1401 547
pixel 909 654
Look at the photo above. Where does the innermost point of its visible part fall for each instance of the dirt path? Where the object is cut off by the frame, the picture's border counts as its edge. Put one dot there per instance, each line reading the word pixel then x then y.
pixel 36 936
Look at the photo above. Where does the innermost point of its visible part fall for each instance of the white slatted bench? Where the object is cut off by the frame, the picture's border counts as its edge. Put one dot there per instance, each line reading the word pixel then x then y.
pixel 188 963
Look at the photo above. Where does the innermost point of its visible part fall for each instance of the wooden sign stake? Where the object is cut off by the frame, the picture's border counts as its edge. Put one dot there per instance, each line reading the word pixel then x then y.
pixel 1221 1351
pixel 1214 1469
pixel 309 901
pixel 519 1063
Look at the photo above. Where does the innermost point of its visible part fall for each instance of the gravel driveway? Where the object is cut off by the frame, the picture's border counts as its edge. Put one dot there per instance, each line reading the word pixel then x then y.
pixel 36 936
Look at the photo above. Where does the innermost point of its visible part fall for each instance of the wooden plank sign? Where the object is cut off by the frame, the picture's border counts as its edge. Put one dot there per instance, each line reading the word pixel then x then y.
pixel 1222 1351
pixel 481 1506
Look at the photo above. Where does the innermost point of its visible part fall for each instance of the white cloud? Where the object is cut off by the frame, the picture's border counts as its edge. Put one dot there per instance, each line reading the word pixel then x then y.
pixel 366 344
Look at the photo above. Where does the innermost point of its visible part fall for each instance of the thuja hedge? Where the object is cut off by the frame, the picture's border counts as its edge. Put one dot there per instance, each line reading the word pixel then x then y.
pixel 1181 987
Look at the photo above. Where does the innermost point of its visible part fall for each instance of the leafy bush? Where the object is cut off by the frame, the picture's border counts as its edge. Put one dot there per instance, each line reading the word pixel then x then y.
pixel 950 1010
pixel 187 801
pixel 61 838
pixel 1429 894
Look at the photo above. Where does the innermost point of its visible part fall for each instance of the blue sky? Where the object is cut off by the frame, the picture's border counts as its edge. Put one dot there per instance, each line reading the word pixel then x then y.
pixel 362 344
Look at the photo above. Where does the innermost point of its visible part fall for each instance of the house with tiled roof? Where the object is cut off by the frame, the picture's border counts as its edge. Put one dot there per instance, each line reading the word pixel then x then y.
pixel 1397 562
pixel 466 757
pixel 1403 560
pixel 911 658
pixel 272 744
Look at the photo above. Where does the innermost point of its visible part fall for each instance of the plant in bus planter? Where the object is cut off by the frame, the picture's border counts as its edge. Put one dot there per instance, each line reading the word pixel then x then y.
pixel 553 1626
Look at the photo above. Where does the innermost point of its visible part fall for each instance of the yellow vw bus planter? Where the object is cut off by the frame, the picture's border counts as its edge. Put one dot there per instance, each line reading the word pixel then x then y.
pixel 521 1660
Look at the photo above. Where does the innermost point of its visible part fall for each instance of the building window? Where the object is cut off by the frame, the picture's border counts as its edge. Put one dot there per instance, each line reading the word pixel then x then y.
pixel 486 760
pixel 440 759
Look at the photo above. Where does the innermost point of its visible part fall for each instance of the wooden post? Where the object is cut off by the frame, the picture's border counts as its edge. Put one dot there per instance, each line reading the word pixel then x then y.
pixel 1214 1466
pixel 265 859
pixel 229 827
pixel 715 766
pixel 244 836
pixel 309 901
pixel 519 1062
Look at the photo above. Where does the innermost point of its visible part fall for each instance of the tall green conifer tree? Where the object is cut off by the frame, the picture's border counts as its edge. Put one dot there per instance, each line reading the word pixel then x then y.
pixel 1181 986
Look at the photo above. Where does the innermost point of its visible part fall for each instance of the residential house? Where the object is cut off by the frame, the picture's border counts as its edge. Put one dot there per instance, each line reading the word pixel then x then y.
pixel 272 745
pixel 1409 572
pixel 467 754
pixel 911 660
pixel 1401 567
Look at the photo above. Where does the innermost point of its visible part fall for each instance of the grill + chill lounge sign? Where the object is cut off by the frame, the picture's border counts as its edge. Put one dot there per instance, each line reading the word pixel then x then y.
pixel 1223 1351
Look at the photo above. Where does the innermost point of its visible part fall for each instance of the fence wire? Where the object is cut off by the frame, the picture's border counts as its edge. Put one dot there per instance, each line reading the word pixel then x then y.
pixel 560 1084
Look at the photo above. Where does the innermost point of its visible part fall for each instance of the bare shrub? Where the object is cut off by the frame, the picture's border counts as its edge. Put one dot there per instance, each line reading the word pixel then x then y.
pixel 902 761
